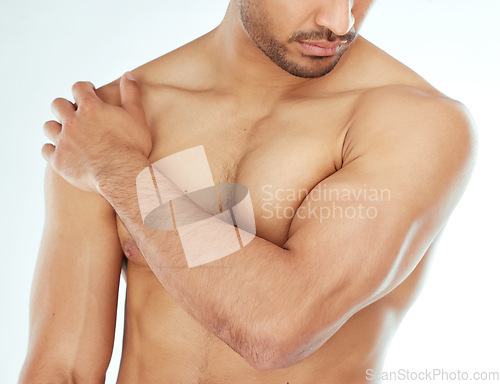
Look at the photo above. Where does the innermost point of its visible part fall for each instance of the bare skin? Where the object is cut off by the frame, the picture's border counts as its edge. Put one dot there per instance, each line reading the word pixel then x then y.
pixel 286 133
pixel 194 353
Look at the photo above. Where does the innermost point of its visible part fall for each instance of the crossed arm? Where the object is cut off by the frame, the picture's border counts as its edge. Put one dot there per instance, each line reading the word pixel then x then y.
pixel 417 147
pixel 275 305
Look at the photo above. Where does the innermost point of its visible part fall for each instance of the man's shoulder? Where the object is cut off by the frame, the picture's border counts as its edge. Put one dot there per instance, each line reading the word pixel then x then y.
pixel 374 68
pixel 394 98
pixel 182 68
pixel 406 122
pixel 399 110
pixel 410 101
pixel 408 108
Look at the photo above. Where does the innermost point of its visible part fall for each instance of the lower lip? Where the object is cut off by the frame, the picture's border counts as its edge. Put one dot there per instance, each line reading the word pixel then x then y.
pixel 315 50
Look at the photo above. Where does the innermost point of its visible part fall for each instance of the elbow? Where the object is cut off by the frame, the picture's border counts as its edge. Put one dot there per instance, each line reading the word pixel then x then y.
pixel 268 359
pixel 281 349
pixel 277 357
pixel 291 342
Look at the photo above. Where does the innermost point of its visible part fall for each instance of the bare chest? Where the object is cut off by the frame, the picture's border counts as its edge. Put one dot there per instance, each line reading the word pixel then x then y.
pixel 279 156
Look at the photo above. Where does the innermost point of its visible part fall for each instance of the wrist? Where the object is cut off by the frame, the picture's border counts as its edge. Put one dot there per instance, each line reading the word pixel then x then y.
pixel 121 175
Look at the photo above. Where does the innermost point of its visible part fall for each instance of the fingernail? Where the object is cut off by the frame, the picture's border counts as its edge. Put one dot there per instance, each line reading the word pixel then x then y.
pixel 130 76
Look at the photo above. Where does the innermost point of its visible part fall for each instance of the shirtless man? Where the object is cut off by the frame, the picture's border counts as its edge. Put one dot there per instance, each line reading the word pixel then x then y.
pixel 283 96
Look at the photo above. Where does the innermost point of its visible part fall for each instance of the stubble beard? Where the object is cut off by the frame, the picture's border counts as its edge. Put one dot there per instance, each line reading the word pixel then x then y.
pixel 257 25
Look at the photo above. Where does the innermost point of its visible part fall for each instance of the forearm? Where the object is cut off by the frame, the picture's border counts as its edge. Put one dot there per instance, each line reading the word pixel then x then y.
pixel 247 298
pixel 75 286
pixel 72 324
pixel 39 373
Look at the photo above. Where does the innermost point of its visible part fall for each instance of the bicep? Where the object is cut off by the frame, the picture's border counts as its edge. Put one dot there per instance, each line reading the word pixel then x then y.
pixel 365 228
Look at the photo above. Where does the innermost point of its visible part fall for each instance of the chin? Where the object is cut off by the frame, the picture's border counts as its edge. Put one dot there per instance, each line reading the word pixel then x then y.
pixel 312 70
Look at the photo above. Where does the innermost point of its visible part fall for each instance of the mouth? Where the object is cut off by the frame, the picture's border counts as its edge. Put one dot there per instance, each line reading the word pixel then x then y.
pixel 320 47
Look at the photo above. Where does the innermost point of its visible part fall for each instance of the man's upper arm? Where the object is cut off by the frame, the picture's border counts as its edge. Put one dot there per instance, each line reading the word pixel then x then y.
pixel 75 287
pixel 407 158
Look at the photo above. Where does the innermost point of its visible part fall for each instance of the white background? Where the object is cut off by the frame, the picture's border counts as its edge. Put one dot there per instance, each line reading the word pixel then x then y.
pixel 46 46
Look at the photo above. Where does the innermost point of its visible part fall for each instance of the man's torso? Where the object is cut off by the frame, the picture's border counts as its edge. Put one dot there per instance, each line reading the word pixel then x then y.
pixel 273 149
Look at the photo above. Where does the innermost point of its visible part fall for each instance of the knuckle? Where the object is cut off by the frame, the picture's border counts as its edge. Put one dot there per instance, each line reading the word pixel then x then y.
pixel 50 123
pixel 51 128
pixel 77 85
pixel 56 101
pixel 81 85
pixel 69 121
pixel 46 126
pixel 85 106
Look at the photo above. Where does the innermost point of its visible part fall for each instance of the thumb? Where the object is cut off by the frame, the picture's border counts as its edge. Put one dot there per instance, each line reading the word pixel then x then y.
pixel 130 94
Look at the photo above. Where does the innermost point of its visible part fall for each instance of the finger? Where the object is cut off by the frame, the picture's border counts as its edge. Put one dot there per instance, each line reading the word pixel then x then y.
pixel 48 152
pixel 52 130
pixel 62 109
pixel 131 99
pixel 83 91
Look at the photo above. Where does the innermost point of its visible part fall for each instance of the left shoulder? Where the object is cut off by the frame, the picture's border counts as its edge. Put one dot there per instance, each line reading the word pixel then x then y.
pixel 395 99
pixel 413 106
pixel 411 139
pixel 412 118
